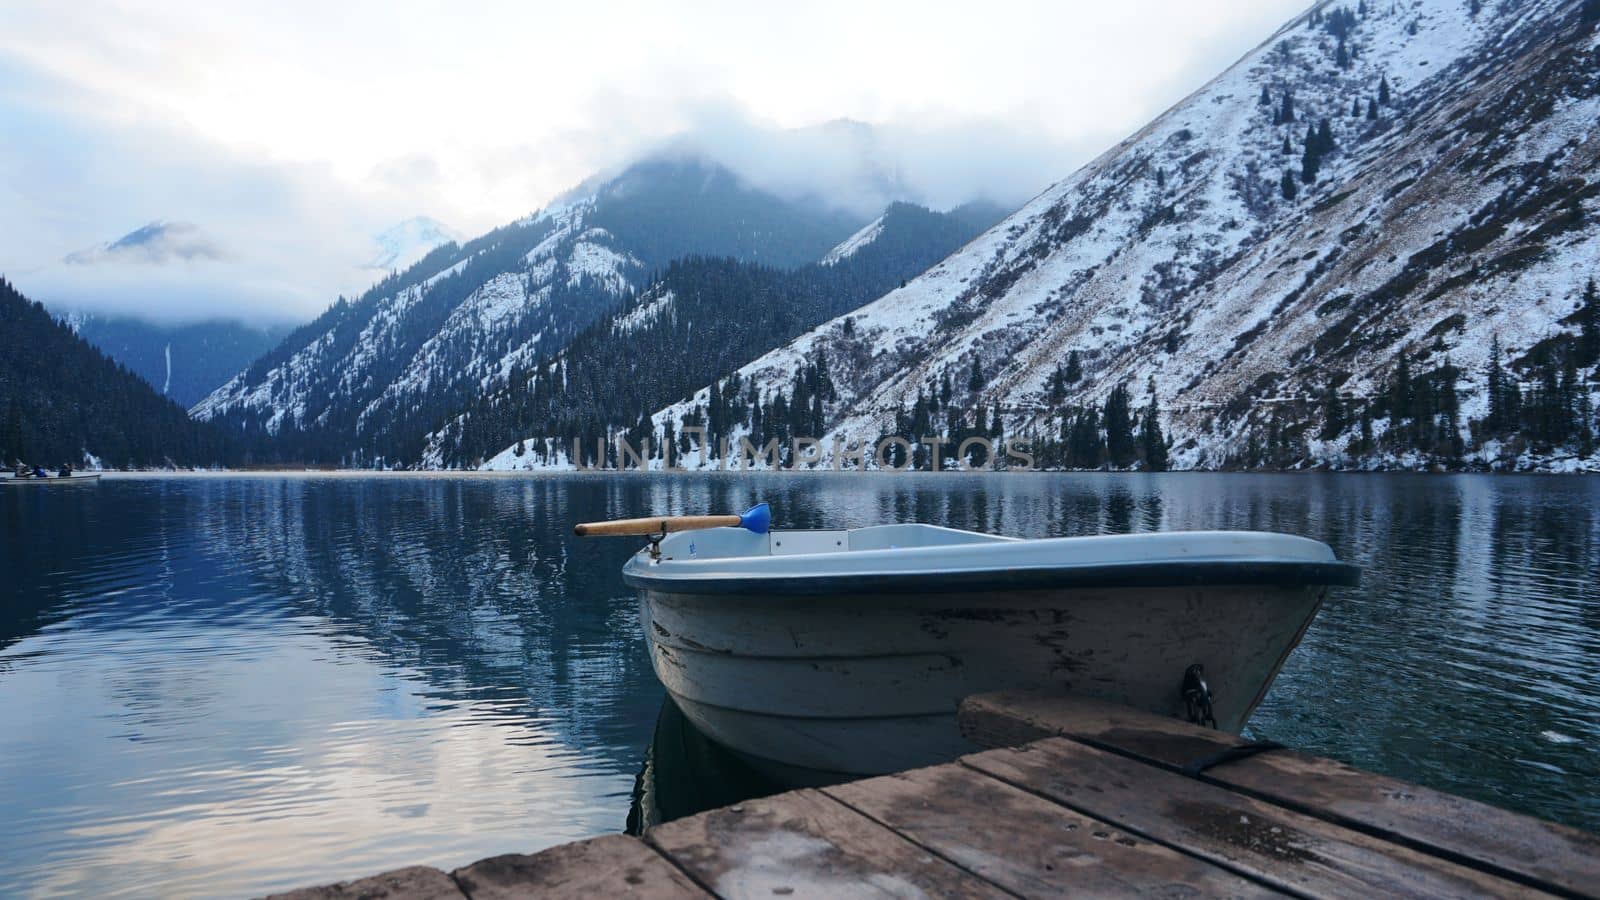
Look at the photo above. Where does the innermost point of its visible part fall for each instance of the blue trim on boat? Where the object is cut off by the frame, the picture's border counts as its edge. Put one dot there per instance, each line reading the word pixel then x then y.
pixel 1180 573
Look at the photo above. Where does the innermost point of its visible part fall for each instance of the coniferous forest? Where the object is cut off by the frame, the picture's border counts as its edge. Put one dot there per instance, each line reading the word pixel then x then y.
pixel 62 397
pixel 701 318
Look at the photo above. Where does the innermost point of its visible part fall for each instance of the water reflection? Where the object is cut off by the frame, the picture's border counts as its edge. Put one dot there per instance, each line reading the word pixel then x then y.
pixel 226 685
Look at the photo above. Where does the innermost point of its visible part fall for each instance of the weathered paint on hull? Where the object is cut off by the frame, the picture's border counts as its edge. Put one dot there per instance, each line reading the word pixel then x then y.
pixel 841 686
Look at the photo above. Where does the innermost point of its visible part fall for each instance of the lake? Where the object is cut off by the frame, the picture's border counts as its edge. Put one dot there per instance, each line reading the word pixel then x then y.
pixel 217 686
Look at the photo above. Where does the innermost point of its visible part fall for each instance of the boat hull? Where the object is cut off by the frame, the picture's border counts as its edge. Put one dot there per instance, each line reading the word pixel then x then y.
pixel 50 480
pixel 823 688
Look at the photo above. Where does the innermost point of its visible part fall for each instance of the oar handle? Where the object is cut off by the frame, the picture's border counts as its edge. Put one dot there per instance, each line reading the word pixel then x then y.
pixel 656 525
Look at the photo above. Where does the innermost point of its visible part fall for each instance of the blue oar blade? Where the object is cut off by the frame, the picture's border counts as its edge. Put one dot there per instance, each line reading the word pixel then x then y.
pixel 757 519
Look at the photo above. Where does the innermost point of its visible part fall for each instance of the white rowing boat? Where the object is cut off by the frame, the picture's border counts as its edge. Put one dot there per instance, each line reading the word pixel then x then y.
pixel 824 655
pixel 36 481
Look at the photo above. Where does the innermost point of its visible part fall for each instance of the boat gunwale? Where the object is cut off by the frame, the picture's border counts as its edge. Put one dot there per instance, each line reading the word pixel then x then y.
pixel 1122 574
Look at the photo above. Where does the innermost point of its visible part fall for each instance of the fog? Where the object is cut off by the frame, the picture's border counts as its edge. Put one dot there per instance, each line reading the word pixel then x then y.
pixel 288 135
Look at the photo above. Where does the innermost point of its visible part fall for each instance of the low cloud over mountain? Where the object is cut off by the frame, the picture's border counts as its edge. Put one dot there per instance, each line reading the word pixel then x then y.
pixel 158 243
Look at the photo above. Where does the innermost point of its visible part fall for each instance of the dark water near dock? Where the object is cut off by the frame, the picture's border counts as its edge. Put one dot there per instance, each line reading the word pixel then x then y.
pixel 223 686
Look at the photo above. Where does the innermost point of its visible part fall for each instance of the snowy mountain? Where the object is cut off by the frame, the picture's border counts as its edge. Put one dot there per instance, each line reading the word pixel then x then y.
pixel 370 377
pixel 1307 261
pixel 700 317
pixel 155 243
pixel 402 245
pixel 183 362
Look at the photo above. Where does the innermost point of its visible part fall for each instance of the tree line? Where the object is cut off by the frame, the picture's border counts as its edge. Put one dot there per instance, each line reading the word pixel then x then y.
pixel 63 398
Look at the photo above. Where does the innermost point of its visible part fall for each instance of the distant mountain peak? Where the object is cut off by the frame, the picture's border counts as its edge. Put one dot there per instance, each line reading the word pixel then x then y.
pixel 158 243
pixel 404 243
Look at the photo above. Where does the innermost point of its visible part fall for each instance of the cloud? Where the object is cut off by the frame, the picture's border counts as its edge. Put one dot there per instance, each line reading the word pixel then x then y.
pixel 291 133
pixel 144 218
pixel 159 243
pixel 862 167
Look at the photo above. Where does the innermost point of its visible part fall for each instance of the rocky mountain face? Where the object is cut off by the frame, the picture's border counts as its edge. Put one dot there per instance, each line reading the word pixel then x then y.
pixel 367 380
pixel 1365 244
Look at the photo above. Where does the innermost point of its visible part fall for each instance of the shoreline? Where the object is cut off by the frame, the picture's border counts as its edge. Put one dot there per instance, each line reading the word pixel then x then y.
pixel 152 474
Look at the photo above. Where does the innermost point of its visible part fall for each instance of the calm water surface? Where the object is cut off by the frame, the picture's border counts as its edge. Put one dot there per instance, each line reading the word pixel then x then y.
pixel 223 686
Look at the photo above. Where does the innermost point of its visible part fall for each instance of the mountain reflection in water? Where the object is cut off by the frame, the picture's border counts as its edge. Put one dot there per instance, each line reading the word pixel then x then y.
pixel 224 686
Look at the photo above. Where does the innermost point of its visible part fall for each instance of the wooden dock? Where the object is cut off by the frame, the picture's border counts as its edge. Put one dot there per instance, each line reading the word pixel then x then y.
pixel 1079 798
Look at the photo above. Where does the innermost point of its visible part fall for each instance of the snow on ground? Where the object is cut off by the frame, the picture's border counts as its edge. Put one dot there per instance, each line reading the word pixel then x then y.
pixel 1175 258
pixel 850 245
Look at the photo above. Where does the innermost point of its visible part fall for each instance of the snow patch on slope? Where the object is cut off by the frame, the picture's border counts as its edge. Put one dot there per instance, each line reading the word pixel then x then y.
pixel 853 244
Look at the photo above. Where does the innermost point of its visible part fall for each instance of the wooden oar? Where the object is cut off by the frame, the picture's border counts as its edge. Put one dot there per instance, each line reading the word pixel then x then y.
pixel 757 519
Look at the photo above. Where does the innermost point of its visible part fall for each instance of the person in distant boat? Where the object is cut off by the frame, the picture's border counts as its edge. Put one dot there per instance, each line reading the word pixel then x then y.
pixel 39 472
pixel 22 470
pixel 66 471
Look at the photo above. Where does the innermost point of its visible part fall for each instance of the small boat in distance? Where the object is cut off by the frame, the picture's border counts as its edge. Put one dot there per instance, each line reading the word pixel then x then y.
pixel 38 480
pixel 825 655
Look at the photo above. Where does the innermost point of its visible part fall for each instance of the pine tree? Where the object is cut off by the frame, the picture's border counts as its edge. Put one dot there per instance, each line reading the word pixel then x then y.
pixel 1266 98
pixel 1449 405
pixel 1589 326
pixel 1383 90
pixel 1058 388
pixel 1325 142
pixel 1287 147
pixel 975 378
pixel 1310 158
pixel 1333 421
pixel 1151 440
pixel 1119 428
pixel 1290 189
pixel 1402 393
pixel 1372 110
pixel 1074 372
pixel 1341 57
pixel 1585 422
pixel 1355 109
pixel 1494 378
pixel 1286 113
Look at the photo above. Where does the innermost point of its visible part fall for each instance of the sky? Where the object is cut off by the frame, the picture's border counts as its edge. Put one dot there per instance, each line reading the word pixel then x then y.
pixel 283 137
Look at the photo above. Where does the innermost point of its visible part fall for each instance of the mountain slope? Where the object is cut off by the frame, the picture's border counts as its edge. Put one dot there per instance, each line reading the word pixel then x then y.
pixel 370 377
pixel 183 362
pixel 703 316
pixel 400 246
pixel 61 400
pixel 1249 262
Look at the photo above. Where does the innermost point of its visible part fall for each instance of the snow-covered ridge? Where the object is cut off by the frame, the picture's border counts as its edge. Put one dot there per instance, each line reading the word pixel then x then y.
pixel 850 245
pixel 495 326
pixel 402 245
pixel 1195 256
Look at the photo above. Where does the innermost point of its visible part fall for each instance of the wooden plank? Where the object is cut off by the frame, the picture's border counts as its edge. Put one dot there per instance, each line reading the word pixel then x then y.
pixel 410 883
pixel 807 844
pixel 611 866
pixel 1286 849
pixel 1029 845
pixel 1558 858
